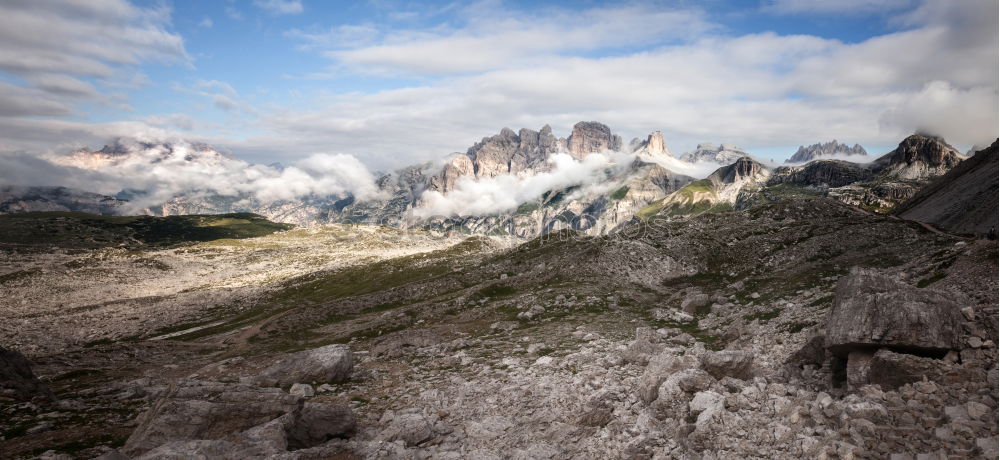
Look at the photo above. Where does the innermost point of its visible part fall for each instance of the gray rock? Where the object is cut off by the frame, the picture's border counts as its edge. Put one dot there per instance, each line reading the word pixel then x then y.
pixel 302 389
pixel 206 410
pixel 693 302
pixel 728 363
pixel 332 363
pixel 871 310
pixel 660 367
pixel 316 423
pixel 213 449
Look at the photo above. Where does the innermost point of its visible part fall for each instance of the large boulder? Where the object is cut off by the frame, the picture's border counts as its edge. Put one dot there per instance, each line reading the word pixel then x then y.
pixel 872 311
pixel 332 363
pixel 193 410
pixel 660 367
pixel 197 418
pixel 17 382
pixel 892 370
pixel 728 363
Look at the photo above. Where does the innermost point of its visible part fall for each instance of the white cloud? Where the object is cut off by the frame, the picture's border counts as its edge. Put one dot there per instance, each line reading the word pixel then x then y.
pixel 206 23
pixel 506 192
pixel 494 38
pixel 280 6
pixel 54 51
pixel 836 6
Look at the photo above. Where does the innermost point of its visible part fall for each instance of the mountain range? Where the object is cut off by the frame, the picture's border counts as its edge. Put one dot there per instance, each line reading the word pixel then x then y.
pixel 528 183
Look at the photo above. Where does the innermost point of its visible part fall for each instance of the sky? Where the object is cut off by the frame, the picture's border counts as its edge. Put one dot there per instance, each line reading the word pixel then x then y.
pixel 392 83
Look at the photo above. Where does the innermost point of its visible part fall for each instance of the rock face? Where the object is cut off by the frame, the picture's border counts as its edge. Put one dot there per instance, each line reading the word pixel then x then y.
pixel 653 145
pixel 723 154
pixel 591 137
pixel 17 382
pixel 828 173
pixel 872 311
pixel 332 363
pixel 824 149
pixel 963 200
pixel 918 157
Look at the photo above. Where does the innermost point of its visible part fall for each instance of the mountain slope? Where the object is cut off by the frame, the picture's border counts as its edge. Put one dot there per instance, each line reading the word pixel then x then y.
pixel 723 189
pixel 963 201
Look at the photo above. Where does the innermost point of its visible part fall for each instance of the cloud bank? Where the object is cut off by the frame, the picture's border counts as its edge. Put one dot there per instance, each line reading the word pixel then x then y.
pixel 154 174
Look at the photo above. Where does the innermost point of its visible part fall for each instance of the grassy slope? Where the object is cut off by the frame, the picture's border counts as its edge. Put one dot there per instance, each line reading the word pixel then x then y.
pixel 88 231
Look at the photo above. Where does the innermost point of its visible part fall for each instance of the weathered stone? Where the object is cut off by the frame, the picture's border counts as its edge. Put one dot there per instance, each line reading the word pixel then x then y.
pixel 332 363
pixel 871 310
pixel 316 423
pixel 728 363
pixel 302 389
pixel 660 367
pixel 206 410
pixel 693 302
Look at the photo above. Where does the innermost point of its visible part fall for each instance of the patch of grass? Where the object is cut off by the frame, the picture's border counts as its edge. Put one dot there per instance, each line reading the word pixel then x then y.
pixel 796 326
pixel 763 317
pixel 650 210
pixel 527 208
pixel 938 276
pixel 822 301
pixel 620 193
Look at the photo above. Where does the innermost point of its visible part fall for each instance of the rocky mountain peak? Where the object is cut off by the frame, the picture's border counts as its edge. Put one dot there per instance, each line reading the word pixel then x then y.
pixel 824 149
pixel 932 150
pixel 592 137
pixel 655 144
pixel 744 168
pixel 919 156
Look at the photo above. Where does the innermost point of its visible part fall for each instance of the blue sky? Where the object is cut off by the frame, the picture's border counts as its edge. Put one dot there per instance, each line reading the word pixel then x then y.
pixel 394 82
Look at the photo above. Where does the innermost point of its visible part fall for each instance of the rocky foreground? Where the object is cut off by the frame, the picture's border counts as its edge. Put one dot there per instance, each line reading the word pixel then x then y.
pixel 797 329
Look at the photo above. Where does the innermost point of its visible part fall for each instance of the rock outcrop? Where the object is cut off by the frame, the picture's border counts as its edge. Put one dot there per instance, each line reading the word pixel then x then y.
pixel 825 149
pixel 821 173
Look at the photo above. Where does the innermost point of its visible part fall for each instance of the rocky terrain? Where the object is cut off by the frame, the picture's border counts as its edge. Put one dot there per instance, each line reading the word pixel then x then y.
pixel 799 327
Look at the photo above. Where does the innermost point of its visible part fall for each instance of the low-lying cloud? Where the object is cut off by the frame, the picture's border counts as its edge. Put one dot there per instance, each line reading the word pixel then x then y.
pixel 156 174
pixel 504 193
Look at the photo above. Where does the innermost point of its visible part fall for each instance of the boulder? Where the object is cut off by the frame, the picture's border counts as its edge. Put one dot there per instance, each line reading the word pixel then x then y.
pixel 728 363
pixel 194 418
pixel 206 410
pixel 411 426
pixel 693 302
pixel 317 423
pixel 332 363
pixel 660 367
pixel 17 382
pixel 873 311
